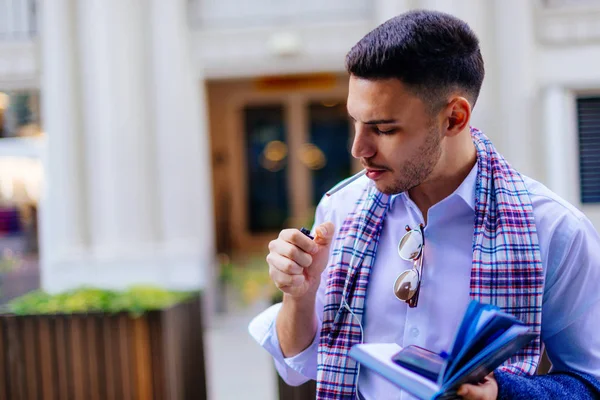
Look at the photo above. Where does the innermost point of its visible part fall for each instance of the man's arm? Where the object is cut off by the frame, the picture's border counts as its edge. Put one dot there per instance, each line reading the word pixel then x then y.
pixel 570 322
pixel 294 370
pixel 296 324
pixel 299 363
pixel 289 330
pixel 296 264
pixel 562 385
pixel 575 354
pixel 504 385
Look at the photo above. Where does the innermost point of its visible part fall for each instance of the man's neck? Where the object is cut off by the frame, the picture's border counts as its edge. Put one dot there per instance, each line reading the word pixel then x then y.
pixel 446 178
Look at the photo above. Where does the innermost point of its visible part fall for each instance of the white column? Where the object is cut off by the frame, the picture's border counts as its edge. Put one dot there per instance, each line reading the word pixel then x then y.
pixel 117 133
pixel 182 138
pixel 129 197
pixel 63 216
pixel 516 85
pixel 560 139
pixel 478 14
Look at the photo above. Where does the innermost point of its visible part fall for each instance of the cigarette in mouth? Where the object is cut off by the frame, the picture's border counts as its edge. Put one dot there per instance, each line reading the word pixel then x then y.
pixel 345 183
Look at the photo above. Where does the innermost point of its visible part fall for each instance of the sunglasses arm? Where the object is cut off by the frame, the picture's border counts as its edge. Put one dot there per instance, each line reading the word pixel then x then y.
pixel 413 301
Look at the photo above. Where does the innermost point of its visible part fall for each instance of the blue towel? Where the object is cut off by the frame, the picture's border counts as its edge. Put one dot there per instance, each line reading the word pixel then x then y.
pixel 560 385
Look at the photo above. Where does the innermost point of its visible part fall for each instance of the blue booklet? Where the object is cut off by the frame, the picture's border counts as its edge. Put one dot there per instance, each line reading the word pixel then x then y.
pixel 485 339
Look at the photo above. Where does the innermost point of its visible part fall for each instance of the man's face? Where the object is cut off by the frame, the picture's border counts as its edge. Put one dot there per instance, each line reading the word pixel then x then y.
pixel 396 139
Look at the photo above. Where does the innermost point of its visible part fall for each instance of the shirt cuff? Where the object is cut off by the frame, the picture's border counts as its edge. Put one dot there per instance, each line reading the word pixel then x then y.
pixel 294 370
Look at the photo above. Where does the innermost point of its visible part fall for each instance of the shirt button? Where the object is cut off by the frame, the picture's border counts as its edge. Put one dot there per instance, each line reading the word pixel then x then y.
pixel 414 332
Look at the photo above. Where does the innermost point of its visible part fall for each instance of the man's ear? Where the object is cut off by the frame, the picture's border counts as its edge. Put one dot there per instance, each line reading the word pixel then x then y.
pixel 458 113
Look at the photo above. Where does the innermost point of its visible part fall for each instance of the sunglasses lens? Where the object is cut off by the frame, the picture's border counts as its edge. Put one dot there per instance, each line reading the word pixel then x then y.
pixel 410 246
pixel 406 285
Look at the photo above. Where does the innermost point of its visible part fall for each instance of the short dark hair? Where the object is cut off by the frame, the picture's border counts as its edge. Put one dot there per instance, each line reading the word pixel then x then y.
pixel 431 52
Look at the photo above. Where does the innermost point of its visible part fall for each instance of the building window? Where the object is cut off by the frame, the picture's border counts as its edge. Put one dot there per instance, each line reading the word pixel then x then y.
pixel 588 117
pixel 17 19
pixel 328 155
pixel 267 155
pixel 19 114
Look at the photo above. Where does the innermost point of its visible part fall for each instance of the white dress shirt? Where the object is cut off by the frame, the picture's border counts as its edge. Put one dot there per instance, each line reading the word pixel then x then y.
pixel 570 250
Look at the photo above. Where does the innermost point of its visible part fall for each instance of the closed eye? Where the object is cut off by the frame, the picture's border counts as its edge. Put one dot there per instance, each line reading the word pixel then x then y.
pixel 385 131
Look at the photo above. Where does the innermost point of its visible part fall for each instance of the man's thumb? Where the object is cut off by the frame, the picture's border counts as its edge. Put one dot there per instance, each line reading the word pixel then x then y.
pixel 324 234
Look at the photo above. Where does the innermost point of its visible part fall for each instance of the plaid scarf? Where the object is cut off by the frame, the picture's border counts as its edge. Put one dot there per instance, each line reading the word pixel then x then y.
pixel 507 268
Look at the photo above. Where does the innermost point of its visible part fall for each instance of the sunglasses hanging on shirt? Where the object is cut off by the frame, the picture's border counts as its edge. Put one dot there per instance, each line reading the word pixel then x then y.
pixel 408 283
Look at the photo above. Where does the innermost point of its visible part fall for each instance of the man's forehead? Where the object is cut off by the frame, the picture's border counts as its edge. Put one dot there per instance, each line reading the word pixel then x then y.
pixel 374 98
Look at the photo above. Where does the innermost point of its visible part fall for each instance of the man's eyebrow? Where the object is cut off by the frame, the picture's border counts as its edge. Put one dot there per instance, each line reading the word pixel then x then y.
pixel 375 121
pixel 380 122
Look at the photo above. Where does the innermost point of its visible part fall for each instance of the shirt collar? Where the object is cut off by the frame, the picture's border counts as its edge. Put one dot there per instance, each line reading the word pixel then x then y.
pixel 466 190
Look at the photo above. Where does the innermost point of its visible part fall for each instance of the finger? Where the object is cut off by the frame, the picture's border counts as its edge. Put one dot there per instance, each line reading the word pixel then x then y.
pixel 467 392
pixel 284 264
pixel 477 392
pixel 299 239
pixel 292 252
pixel 324 234
pixel 283 280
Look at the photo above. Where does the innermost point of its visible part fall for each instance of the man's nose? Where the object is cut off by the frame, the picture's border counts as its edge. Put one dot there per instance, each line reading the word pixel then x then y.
pixel 362 146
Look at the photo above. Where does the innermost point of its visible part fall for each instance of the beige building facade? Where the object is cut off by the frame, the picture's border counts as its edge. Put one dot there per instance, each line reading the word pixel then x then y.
pixel 176 130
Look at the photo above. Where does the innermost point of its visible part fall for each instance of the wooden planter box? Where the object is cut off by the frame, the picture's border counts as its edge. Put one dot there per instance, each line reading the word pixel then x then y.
pixel 158 355
pixel 306 391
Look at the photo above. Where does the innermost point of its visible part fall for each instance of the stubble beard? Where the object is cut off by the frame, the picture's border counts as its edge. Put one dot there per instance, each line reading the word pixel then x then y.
pixel 414 171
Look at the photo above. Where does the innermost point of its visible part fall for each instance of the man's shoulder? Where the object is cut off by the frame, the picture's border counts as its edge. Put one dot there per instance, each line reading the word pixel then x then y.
pixel 550 207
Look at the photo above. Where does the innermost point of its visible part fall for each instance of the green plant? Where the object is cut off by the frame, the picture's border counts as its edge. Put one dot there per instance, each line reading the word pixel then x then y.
pixel 135 300
pixel 248 276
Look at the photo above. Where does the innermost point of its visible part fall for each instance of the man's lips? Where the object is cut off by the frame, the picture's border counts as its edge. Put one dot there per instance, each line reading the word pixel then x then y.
pixel 375 173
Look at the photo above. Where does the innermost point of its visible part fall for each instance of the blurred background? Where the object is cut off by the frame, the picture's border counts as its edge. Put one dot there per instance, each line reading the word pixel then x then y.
pixel 166 142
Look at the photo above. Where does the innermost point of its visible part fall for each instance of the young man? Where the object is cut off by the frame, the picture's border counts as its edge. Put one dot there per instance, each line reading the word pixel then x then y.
pixel 490 234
